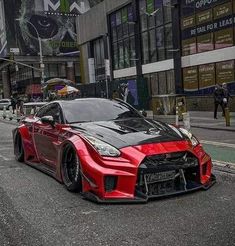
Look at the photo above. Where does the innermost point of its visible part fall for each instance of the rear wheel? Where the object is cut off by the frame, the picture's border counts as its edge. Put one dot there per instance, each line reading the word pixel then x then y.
pixel 71 170
pixel 18 148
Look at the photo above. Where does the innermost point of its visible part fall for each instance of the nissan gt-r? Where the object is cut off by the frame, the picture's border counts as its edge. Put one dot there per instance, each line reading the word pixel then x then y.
pixel 110 152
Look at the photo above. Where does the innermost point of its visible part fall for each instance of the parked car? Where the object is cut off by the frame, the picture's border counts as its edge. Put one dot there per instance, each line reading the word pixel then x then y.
pixel 5 102
pixel 110 152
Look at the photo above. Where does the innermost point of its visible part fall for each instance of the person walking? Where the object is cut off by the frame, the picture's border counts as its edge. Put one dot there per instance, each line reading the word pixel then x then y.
pixel 13 104
pixel 218 99
pixel 226 95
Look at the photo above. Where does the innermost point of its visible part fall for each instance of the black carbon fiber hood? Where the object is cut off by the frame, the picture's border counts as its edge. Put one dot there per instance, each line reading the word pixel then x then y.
pixel 130 132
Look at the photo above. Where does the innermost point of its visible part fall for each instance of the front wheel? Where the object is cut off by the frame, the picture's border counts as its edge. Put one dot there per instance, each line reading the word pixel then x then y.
pixel 18 148
pixel 71 170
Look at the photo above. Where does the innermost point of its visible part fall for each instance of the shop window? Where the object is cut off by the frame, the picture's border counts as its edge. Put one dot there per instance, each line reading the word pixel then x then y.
pixel 170 82
pixel 53 70
pixel 162 83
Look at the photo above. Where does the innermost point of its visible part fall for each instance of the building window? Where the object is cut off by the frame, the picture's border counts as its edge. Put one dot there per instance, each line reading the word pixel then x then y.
pixel 123 38
pixel 156 30
pixel 161 83
pixel 99 58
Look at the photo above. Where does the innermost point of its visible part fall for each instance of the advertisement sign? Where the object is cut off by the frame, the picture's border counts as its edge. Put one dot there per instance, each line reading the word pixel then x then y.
pixel 52 20
pixel 204 17
pixel 190 78
pixel 224 72
pixel 206 75
pixel 224 38
pixel 205 42
pixel 3 40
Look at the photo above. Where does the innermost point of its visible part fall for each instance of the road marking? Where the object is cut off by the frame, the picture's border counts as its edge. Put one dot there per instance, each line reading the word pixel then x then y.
pixel 5 158
pixel 89 212
pixel 218 144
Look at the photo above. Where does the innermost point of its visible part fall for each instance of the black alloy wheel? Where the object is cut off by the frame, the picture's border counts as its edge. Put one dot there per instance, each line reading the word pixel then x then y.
pixel 71 170
pixel 18 148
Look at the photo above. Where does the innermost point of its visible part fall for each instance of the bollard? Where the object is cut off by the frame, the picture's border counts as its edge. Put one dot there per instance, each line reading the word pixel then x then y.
pixel 177 116
pixel 10 115
pixel 227 116
pixel 18 114
pixel 4 114
pixel 186 120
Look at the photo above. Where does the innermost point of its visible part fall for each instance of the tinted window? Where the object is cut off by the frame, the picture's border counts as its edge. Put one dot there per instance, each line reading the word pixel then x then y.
pixel 51 110
pixel 85 110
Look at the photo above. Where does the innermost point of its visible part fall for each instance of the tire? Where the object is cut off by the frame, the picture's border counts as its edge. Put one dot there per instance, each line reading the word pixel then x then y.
pixel 18 148
pixel 70 170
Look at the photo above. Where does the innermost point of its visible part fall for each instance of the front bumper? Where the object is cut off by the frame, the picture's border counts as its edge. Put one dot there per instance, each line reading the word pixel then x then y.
pixel 142 198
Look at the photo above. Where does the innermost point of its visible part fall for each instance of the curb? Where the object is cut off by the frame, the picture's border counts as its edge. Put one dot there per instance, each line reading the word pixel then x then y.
pixel 214 128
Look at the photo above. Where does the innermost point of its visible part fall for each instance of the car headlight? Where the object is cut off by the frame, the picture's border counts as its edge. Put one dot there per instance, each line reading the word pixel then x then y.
pixel 190 136
pixel 103 148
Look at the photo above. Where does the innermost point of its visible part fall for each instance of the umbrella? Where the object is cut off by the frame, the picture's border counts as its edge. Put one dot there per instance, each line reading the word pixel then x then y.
pixel 51 83
pixel 67 90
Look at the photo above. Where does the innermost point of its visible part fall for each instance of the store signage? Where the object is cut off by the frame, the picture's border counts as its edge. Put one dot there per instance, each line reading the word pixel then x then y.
pixel 65 6
pixel 200 3
pixel 206 75
pixel 209 27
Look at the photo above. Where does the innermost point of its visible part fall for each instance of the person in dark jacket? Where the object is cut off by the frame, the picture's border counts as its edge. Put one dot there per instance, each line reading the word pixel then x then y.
pixel 218 99
pixel 13 104
pixel 226 95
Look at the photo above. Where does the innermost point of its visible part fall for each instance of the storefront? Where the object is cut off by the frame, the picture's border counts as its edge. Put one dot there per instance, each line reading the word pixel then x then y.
pixel 208 35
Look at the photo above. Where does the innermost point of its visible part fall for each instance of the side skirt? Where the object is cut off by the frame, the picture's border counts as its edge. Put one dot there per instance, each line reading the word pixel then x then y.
pixel 43 168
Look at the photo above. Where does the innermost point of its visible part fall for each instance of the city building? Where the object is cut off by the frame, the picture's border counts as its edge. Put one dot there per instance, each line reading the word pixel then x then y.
pixel 177 47
pixel 41 34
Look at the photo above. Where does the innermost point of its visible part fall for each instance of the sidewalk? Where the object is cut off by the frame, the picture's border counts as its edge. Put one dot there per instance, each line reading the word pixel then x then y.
pixel 204 119
pixel 200 119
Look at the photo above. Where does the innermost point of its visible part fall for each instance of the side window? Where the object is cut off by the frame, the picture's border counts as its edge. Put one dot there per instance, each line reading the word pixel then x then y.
pixel 54 111
pixel 42 112
pixel 51 110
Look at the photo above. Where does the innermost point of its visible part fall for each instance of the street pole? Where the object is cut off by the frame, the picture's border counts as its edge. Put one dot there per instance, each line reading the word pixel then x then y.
pixel 40 49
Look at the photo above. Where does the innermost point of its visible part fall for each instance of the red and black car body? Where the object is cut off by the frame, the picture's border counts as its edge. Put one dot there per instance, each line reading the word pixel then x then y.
pixel 110 153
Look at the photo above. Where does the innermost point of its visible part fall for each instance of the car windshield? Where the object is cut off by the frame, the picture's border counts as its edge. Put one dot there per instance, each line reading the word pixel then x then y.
pixel 89 110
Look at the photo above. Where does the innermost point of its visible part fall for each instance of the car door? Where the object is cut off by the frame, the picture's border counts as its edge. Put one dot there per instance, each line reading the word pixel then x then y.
pixel 46 136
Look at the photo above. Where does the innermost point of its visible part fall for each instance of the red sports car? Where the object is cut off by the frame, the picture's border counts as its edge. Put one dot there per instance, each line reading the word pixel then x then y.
pixel 109 152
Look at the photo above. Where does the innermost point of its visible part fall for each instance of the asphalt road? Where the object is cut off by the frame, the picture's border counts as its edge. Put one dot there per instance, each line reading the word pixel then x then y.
pixel 37 210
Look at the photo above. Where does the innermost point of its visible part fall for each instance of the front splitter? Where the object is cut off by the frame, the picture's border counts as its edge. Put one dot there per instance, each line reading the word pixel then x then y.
pixel 144 198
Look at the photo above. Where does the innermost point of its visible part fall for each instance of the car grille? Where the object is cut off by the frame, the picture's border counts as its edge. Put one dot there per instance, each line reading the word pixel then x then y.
pixel 167 173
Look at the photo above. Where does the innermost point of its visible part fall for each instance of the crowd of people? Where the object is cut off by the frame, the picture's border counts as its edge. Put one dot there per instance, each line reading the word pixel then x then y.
pixel 221 97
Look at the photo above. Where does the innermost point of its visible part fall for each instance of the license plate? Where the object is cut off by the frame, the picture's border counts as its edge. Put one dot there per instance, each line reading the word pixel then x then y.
pixel 159 177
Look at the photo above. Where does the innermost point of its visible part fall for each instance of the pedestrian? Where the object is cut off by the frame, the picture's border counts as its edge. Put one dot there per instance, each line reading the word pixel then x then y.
pixel 218 99
pixel 226 95
pixel 13 104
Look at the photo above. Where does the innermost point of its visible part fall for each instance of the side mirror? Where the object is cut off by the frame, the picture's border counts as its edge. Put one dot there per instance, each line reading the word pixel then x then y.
pixel 48 120
pixel 143 113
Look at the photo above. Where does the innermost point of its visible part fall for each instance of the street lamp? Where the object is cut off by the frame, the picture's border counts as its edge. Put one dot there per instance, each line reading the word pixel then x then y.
pixel 40 48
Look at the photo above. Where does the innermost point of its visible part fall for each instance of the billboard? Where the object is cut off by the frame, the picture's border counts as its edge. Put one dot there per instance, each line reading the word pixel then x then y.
pixel 3 40
pixel 51 20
